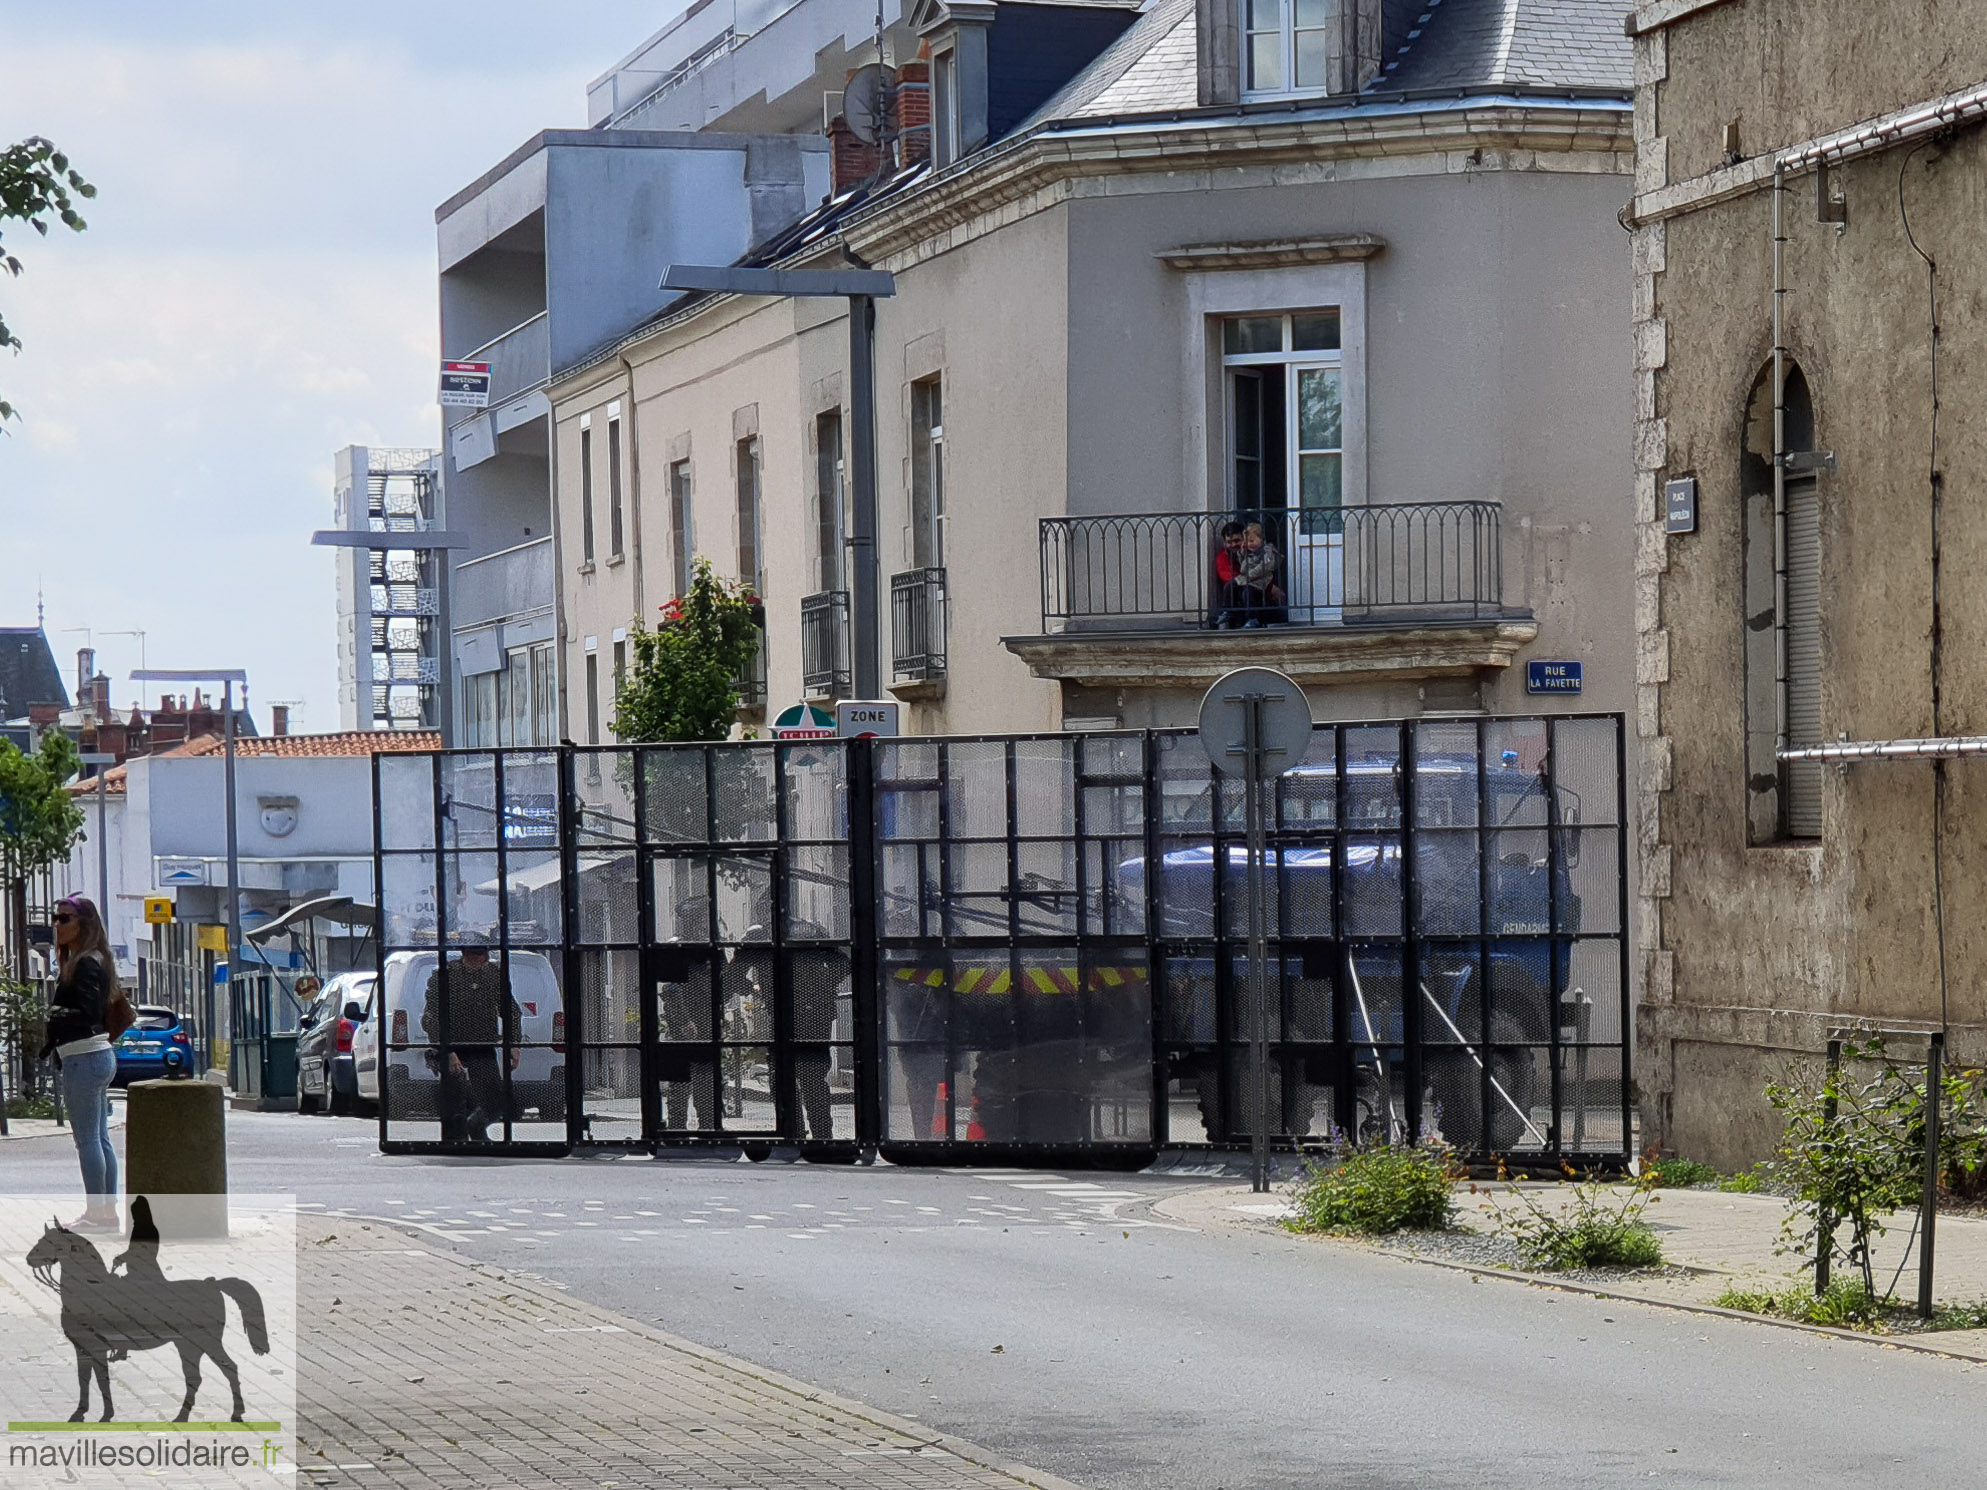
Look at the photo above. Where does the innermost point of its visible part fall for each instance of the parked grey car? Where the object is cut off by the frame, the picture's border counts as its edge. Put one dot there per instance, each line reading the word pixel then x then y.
pixel 325 1076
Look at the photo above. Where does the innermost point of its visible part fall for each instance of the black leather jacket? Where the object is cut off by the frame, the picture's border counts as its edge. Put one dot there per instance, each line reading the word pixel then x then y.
pixel 77 1010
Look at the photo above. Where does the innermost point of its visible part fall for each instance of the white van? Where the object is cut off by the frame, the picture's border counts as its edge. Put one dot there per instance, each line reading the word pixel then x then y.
pixel 538 1085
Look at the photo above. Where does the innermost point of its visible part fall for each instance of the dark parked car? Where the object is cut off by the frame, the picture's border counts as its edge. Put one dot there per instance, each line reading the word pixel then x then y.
pixel 1493 914
pixel 157 1044
pixel 324 1044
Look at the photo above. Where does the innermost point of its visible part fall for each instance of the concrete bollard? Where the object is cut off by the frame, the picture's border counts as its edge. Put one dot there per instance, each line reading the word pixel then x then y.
pixel 176 1155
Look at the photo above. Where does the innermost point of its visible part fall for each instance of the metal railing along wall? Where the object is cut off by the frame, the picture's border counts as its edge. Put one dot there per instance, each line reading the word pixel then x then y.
pixel 918 624
pixel 824 644
pixel 1431 561
pixel 1008 947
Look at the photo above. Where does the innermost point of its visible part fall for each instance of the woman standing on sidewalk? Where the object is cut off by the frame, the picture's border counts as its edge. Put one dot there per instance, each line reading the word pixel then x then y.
pixel 77 1037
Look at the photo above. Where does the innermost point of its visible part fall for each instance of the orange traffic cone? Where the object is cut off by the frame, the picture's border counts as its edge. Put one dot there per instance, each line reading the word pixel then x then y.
pixel 974 1132
pixel 940 1123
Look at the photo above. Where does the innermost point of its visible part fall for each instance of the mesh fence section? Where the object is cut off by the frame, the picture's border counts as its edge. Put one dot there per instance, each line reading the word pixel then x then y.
pixel 1024 944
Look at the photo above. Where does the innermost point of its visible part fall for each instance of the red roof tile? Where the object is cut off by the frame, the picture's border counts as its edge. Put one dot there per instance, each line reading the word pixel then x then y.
pixel 345 744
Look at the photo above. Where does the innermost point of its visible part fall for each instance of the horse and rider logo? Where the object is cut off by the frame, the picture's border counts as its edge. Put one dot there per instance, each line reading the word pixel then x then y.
pixel 110 1311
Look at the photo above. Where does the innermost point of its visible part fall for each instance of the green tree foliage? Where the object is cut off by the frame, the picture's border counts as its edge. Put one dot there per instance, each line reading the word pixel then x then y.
pixel 37 186
pixel 682 681
pixel 1854 1149
pixel 39 822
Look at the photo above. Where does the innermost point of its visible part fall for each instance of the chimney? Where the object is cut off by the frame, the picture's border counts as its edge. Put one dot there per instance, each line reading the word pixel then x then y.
pixel 100 697
pixel 913 112
pixel 279 719
pixel 850 161
pixel 853 161
pixel 86 666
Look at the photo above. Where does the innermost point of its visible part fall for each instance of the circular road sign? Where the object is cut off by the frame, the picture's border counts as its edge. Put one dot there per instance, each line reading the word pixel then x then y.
pixel 1286 721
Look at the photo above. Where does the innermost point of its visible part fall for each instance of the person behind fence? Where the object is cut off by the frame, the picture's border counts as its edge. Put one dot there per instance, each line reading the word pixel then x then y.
pixel 1231 591
pixel 79 1017
pixel 481 1020
pixel 1260 586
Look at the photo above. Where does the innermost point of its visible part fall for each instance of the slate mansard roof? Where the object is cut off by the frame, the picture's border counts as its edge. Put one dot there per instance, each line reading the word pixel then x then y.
pixel 28 673
pixel 1462 46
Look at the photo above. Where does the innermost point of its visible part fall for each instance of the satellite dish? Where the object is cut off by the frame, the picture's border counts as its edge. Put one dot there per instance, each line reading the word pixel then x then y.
pixel 866 102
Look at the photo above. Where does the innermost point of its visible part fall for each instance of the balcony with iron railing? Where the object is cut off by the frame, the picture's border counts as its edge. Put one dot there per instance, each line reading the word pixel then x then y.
pixel 824 644
pixel 750 684
pixel 1407 589
pixel 917 628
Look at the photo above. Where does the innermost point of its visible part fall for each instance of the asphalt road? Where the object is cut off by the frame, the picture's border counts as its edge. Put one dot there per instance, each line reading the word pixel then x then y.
pixel 1053 1319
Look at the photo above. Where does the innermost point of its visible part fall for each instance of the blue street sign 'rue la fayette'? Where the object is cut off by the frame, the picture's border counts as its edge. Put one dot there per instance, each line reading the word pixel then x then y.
pixel 1552 677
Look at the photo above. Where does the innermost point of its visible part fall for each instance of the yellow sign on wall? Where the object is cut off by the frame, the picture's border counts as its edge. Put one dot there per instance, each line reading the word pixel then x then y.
pixel 211 939
pixel 158 910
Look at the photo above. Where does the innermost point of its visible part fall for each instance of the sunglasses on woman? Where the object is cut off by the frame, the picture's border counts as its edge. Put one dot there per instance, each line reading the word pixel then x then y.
pixel 63 920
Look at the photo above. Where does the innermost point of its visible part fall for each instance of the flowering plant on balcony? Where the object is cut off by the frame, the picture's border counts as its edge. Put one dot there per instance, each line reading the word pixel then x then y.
pixel 682 679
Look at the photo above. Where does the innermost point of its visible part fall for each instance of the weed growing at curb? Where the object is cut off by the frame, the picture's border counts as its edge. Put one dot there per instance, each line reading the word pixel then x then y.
pixel 1376 1191
pixel 1679 1174
pixel 1602 1228
pixel 1745 1182
pixel 1848 1305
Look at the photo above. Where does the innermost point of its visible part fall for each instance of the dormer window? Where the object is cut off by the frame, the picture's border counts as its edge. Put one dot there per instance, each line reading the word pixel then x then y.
pixel 1258 49
pixel 1285 46
pixel 945 107
pixel 958 33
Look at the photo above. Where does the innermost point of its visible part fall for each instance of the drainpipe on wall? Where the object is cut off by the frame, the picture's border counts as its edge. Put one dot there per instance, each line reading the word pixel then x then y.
pixel 634 488
pixel 559 669
pixel 1779 465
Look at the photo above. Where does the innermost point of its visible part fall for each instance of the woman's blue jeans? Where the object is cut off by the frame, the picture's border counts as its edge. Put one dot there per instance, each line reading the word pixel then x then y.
pixel 86 1097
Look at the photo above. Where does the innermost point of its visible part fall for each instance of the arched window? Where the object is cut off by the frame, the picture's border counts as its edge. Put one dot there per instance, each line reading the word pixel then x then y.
pixel 1782 619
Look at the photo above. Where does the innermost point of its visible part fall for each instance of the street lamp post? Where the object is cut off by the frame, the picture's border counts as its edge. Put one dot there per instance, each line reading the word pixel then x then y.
pixel 103 760
pixel 432 541
pixel 220 1032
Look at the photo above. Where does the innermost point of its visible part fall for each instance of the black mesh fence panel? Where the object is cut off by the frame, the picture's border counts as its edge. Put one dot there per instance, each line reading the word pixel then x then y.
pixel 1009 946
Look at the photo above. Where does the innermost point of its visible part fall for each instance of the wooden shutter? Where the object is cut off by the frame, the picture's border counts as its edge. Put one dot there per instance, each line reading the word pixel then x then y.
pixel 1801 810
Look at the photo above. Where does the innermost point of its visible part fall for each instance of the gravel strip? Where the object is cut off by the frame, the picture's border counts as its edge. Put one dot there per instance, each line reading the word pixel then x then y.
pixel 1481 1250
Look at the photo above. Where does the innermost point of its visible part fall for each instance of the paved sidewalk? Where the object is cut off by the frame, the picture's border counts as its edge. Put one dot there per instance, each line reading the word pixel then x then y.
pixel 421 1368
pixel 49 1128
pixel 1716 1241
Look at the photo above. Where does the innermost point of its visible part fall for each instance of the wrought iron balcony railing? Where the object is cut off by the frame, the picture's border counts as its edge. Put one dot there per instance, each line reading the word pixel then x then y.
pixel 824 644
pixel 1418 561
pixel 917 625
pixel 751 680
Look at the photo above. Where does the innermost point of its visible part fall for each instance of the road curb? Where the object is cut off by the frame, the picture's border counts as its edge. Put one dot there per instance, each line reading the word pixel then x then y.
pixel 1262 1226
pixel 959 1448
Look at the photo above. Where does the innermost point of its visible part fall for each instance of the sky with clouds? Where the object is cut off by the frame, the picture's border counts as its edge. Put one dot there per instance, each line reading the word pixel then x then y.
pixel 256 289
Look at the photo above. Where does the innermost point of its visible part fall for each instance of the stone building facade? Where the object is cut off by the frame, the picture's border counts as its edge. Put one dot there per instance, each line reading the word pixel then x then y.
pixel 1821 600
pixel 1075 278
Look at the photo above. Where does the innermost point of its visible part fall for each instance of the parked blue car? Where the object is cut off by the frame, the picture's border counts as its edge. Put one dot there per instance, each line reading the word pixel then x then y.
pixel 157 1044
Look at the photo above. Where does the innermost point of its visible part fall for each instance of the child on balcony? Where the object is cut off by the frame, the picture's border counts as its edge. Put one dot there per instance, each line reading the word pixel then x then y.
pixel 1262 596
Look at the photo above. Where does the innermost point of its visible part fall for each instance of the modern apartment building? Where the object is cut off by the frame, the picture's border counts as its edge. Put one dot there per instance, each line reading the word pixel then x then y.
pixel 391 636
pixel 704 141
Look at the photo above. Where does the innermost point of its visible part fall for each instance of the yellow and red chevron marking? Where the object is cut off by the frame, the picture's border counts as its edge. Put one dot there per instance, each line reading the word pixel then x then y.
pixel 998 980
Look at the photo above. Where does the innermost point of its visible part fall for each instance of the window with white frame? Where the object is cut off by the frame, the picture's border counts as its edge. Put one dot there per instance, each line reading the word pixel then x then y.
pixel 614 524
pixel 1287 45
pixel 749 555
pixel 828 518
pixel 681 534
pixel 1286 417
pixel 928 474
pixel 586 493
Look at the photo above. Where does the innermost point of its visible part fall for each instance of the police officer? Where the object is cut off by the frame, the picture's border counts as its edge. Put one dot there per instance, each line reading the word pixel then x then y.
pixel 481 1017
